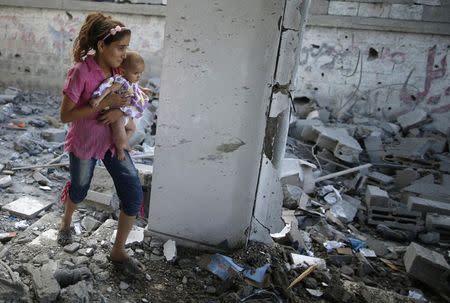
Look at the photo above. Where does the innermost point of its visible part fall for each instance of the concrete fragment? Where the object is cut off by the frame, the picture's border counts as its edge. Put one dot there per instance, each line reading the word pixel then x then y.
pixel 375 196
pixel 344 211
pixel 170 250
pixel 428 206
pixel 40 178
pixel 437 222
pixel 430 237
pixel 307 261
pixel 45 285
pixel 71 248
pixel 136 235
pixel 54 135
pixel 380 178
pixel 412 119
pixel 374 148
pixel 337 140
pixel 27 207
pixel 99 197
pixel 296 128
pixel 79 292
pixel 89 224
pixel 410 148
pixel 5 181
pixel 47 238
pixel 292 195
pixel 427 266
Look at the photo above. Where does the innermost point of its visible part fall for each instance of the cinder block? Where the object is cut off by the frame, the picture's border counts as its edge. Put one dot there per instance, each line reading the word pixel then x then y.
pixel 375 196
pixel 406 11
pixel 54 134
pixel 343 8
pixel 434 192
pixel 427 266
pixel 396 218
pixel 428 206
pixel 374 148
pixel 412 119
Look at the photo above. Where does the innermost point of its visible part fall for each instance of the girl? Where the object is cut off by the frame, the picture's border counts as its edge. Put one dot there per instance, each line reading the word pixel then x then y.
pixel 98 51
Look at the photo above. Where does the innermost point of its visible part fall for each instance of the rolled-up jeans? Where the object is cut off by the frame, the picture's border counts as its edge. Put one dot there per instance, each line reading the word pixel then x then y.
pixel 125 177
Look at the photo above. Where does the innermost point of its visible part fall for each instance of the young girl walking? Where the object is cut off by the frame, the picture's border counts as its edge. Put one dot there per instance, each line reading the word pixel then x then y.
pixel 98 51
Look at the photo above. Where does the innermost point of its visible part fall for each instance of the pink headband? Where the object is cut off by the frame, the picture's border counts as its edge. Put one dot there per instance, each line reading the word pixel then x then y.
pixel 115 30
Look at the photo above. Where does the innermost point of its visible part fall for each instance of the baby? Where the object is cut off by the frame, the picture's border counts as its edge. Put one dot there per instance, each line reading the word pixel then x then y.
pixel 125 85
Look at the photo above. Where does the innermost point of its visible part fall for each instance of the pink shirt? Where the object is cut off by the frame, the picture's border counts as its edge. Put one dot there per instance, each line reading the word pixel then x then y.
pixel 87 138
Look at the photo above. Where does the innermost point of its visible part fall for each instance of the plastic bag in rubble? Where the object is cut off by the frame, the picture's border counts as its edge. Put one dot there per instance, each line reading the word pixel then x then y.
pixel 332 245
pixel 330 194
pixel 416 295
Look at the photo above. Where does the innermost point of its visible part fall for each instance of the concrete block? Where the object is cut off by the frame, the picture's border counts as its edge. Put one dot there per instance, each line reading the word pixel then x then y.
pixel 136 236
pixel 427 266
pixel 380 178
pixel 375 196
pixel 406 11
pixel 45 285
pixel 374 148
pixel 27 207
pixel 47 239
pixel 428 206
pixel 343 8
pixel 438 223
pixel 374 10
pixel 145 174
pixel 412 119
pixel 54 134
pixel 395 218
pixel 89 224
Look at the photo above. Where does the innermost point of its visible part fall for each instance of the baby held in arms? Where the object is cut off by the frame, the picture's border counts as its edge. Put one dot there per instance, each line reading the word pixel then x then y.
pixel 126 85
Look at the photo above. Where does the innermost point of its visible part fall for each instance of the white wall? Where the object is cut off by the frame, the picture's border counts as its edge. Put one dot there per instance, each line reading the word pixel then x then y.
pixel 410 71
pixel 35 44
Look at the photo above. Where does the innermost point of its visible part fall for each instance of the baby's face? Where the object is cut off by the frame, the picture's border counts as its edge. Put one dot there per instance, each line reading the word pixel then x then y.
pixel 134 74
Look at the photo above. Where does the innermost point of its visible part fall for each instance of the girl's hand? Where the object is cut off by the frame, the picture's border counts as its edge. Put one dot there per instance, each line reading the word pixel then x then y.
pixel 114 101
pixel 110 116
pixel 115 87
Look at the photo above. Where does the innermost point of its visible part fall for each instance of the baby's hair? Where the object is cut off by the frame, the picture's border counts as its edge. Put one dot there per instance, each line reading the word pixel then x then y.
pixel 95 28
pixel 132 60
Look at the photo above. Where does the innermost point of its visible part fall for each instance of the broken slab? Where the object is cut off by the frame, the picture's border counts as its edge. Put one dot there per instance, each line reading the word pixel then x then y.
pixel 45 285
pixel 430 191
pixel 374 148
pixel 427 266
pixel 136 236
pixel 337 140
pixel 410 148
pixel 405 177
pixel 47 239
pixel 428 206
pixel 375 196
pixel 27 207
pixel 412 119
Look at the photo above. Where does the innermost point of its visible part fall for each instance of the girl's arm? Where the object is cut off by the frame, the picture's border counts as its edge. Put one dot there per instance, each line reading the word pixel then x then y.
pixel 70 112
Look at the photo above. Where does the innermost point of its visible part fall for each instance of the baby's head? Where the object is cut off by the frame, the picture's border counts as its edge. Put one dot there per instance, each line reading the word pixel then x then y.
pixel 133 66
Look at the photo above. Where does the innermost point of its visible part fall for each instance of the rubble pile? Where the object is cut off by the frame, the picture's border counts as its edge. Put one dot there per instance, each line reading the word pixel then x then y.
pixel 366 212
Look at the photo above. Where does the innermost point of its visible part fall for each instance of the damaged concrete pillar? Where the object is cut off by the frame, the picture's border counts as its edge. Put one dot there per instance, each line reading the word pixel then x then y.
pixel 223 116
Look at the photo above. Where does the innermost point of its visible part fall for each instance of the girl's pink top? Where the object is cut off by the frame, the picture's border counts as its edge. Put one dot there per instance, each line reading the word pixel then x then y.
pixel 87 138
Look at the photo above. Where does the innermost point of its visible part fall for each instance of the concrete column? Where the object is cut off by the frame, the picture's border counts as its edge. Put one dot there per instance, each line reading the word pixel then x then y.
pixel 217 85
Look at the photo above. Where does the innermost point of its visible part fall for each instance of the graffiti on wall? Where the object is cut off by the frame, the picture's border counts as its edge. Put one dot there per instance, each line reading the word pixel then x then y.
pixel 15 32
pixel 427 87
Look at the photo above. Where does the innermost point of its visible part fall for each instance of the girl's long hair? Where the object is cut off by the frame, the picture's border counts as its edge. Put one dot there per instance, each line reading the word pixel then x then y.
pixel 95 28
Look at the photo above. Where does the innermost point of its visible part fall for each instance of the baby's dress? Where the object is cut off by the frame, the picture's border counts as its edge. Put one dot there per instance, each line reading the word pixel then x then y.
pixel 138 102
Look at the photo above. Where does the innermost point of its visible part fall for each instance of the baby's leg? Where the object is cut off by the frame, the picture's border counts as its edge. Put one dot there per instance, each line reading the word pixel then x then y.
pixel 130 128
pixel 120 138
